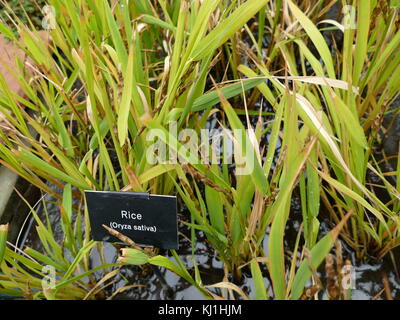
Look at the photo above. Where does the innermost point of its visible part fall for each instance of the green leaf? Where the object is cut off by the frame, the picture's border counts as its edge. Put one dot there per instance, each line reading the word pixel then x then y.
pixel 116 36
pixel 28 157
pixel 125 105
pixel 67 201
pixel 364 20
pixel 260 290
pixel 78 258
pixel 350 121
pixel 215 209
pixel 168 264
pixel 212 99
pixel 158 22
pixel 316 38
pixel 3 240
pixel 227 28
pixel 6 32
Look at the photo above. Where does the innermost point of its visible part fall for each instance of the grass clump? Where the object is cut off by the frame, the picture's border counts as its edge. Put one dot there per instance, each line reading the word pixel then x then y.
pixel 308 93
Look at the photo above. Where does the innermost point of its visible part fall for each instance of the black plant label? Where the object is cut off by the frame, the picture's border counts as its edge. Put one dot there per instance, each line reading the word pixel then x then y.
pixel 146 219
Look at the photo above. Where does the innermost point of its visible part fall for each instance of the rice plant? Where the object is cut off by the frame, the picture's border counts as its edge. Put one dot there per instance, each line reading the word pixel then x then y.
pixel 344 96
pixel 300 88
pixel 55 270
